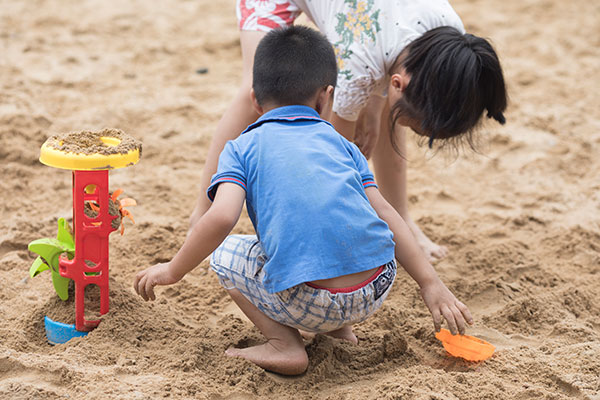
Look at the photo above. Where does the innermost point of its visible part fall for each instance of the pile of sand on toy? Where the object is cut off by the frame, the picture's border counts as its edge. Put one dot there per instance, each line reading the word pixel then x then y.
pixel 88 142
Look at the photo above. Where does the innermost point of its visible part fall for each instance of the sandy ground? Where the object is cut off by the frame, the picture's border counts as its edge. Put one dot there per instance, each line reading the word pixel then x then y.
pixel 521 219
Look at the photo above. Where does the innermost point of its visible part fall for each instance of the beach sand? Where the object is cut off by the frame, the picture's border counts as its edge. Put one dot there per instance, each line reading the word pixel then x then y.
pixel 521 219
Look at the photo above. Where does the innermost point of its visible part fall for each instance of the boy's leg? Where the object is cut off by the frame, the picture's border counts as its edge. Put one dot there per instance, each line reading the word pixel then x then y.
pixel 238 262
pixel 344 333
pixel 236 118
pixel 390 172
pixel 283 352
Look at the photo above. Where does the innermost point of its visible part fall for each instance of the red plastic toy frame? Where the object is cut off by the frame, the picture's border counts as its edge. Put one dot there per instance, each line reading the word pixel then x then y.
pixel 91 243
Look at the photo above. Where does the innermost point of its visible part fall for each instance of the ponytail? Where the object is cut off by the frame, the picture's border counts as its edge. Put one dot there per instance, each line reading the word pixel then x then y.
pixel 491 79
pixel 454 79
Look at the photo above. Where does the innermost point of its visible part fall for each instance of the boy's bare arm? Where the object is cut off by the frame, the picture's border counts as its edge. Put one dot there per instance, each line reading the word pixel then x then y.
pixel 408 252
pixel 440 301
pixel 206 235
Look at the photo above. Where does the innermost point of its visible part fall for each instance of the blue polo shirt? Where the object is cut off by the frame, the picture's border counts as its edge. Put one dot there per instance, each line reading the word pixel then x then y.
pixel 305 194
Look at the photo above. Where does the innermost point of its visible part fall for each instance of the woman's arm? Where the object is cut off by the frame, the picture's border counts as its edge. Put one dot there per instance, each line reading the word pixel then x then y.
pixel 368 126
pixel 437 297
pixel 365 131
pixel 343 126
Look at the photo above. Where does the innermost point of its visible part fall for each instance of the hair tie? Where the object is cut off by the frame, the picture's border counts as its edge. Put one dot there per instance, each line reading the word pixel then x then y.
pixel 498 117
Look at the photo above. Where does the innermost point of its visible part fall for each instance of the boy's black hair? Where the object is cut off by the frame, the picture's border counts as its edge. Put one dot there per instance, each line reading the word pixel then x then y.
pixel 455 77
pixel 291 64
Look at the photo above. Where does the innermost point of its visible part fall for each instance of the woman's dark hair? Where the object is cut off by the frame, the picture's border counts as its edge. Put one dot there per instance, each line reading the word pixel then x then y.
pixel 454 78
pixel 291 65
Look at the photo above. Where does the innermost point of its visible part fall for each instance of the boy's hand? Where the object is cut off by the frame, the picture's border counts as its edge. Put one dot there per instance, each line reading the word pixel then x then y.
pixel 208 232
pixel 159 274
pixel 441 302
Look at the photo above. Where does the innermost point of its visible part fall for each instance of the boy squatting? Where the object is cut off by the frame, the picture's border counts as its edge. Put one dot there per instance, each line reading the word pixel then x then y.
pixel 323 258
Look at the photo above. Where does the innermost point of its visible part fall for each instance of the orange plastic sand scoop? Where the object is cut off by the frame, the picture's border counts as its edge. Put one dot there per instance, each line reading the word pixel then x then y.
pixel 464 346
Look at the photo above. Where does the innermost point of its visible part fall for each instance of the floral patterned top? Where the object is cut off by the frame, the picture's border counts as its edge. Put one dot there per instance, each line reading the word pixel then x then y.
pixel 368 36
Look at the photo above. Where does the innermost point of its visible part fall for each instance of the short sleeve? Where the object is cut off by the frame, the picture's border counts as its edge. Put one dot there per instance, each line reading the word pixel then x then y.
pixel 351 96
pixel 230 169
pixel 362 166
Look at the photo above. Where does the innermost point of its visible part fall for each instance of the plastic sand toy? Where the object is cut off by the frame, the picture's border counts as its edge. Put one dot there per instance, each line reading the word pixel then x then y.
pixel 464 346
pixel 82 256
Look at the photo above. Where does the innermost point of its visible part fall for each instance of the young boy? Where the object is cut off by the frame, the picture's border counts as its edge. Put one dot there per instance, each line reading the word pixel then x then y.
pixel 323 257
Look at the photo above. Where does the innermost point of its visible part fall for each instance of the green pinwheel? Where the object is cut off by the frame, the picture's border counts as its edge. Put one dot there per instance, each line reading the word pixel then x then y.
pixel 49 251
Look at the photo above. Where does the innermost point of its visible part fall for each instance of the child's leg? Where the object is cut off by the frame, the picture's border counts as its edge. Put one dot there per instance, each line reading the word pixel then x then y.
pixel 390 173
pixel 344 333
pixel 236 118
pixel 239 262
pixel 283 352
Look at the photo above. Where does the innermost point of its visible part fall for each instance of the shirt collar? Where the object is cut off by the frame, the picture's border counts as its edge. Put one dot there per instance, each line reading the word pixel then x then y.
pixel 287 113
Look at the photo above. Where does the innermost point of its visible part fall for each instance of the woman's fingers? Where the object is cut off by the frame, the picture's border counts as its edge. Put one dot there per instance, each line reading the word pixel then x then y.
pixel 369 145
pixel 366 150
pixel 365 143
pixel 359 140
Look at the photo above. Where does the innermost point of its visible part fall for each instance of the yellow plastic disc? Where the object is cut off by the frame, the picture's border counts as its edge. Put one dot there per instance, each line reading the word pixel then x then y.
pixel 111 149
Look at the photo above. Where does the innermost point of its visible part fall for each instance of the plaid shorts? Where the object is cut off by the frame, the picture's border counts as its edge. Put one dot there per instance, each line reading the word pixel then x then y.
pixel 238 262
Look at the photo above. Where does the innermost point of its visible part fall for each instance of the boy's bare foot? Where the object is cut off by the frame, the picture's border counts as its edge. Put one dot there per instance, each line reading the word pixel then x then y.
pixel 274 356
pixel 283 352
pixel 344 333
pixel 433 251
pixel 307 335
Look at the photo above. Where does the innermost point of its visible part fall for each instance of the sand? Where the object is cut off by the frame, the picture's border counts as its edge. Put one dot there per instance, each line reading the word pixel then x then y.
pixel 521 219
pixel 87 142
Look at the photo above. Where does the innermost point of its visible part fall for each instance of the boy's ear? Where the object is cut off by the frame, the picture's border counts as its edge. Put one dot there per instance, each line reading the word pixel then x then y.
pixel 255 104
pixel 325 102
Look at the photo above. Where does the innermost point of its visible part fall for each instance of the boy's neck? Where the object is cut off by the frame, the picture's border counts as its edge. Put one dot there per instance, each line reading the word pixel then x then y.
pixel 321 102
pixel 268 107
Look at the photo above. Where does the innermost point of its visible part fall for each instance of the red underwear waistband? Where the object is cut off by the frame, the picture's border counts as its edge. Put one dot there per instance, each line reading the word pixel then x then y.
pixel 349 288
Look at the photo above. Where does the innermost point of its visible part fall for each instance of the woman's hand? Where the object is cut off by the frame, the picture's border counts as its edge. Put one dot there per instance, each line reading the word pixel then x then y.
pixel 442 303
pixel 368 125
pixel 159 274
pixel 367 131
